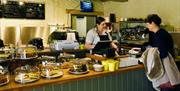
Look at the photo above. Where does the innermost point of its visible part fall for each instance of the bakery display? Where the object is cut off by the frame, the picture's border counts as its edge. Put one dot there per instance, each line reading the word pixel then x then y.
pixel 27 77
pixel 80 66
pixel 50 70
pixel 5 56
pixel 51 73
pixel 26 52
pixel 4 76
pixel 27 74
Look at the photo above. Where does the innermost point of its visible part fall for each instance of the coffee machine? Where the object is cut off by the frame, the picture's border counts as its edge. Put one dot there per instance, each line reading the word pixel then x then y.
pixel 64 40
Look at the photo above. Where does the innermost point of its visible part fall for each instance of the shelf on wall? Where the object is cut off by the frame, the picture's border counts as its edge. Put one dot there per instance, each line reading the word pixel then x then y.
pixel 72 11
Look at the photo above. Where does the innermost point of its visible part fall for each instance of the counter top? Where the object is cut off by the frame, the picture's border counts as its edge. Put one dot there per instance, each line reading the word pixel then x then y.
pixel 13 86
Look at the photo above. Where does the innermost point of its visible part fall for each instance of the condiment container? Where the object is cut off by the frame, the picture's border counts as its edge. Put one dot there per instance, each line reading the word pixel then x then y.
pixel 105 64
pixel 112 65
pixel 98 67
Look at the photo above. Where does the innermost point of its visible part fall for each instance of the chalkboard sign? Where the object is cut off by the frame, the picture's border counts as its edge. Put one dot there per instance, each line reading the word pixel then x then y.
pixel 34 11
pixel 12 9
pixel 0 10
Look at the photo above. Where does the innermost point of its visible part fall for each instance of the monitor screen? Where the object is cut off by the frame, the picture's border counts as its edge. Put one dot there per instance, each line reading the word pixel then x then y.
pixel 86 6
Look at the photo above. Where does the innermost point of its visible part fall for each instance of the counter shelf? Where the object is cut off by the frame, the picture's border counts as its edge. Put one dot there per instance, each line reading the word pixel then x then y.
pixel 66 78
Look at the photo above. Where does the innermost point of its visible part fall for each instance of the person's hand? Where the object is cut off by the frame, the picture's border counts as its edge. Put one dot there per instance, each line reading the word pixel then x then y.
pixel 115 46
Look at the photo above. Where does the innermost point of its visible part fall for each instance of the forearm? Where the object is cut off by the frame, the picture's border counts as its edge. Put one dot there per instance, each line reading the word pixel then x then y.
pixel 89 46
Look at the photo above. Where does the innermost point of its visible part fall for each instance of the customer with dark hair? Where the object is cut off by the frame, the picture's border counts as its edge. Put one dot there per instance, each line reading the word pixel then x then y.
pixel 159 38
pixel 98 33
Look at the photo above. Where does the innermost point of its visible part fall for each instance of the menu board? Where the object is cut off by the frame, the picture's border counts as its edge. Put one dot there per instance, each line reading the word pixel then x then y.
pixel 34 11
pixel 12 9
pixel 0 10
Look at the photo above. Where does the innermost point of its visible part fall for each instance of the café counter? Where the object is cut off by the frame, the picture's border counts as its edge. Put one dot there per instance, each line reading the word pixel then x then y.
pixel 130 78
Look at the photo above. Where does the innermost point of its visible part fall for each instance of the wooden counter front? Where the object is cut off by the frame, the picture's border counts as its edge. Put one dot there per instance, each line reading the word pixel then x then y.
pixel 66 78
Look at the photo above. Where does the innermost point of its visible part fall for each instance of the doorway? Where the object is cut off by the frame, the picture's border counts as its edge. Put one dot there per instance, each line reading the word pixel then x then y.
pixel 82 23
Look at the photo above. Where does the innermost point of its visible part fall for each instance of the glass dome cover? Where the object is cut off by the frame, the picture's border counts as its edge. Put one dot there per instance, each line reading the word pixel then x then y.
pixel 27 74
pixel 4 76
pixel 27 52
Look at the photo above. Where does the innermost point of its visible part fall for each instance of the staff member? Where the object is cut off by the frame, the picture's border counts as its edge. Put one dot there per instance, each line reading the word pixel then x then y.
pixel 98 33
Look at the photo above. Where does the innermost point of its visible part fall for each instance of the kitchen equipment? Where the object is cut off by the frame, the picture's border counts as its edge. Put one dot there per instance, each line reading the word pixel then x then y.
pixel 66 44
pixel 38 42
pixel 1 43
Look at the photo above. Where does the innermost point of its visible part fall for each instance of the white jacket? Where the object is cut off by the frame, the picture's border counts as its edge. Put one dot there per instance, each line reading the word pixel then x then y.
pixel 157 71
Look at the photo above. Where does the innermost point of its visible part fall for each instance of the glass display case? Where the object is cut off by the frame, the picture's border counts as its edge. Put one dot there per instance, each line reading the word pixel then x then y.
pixel 133 32
pixel 4 76
pixel 26 52
pixel 50 69
pixel 27 74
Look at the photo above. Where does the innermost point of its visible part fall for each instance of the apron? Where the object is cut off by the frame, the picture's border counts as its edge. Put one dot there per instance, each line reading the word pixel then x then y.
pixel 109 51
pixel 104 37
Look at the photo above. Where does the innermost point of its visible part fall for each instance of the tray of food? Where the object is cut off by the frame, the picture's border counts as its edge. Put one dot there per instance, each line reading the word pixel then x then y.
pixel 51 73
pixel 27 74
pixel 50 69
pixel 3 81
pixel 4 76
pixel 27 77
pixel 78 73
pixel 26 53
pixel 78 69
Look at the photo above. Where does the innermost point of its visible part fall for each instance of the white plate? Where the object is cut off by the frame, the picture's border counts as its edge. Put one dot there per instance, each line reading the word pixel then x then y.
pixel 55 74
pixel 78 73
pixel 26 58
pixel 1 84
pixel 28 79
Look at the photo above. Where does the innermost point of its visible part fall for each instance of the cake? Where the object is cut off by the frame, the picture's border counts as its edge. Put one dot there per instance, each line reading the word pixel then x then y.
pixel 3 79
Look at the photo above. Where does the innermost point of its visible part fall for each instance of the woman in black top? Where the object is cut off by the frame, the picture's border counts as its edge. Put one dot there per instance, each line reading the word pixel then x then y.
pixel 161 39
